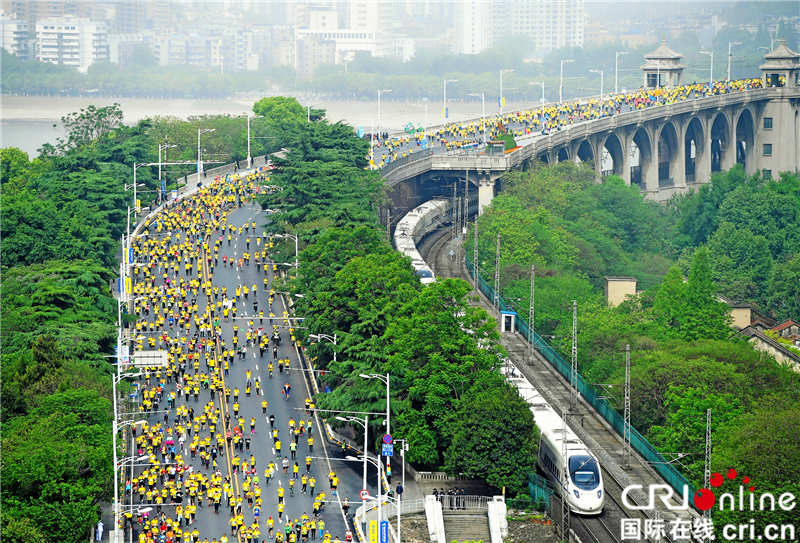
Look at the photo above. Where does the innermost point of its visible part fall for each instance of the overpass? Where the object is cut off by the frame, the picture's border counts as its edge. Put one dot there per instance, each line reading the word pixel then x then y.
pixel 665 150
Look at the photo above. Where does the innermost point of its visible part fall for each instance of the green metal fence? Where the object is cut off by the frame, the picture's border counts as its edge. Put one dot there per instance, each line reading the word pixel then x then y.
pixel 638 442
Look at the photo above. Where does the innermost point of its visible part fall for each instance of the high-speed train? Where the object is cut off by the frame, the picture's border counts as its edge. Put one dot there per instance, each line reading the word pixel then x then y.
pixel 421 221
pixel 583 486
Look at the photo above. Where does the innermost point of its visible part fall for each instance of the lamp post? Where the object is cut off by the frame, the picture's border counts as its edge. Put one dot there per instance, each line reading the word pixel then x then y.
pixel 201 131
pixel 601 81
pixel 161 187
pixel 365 424
pixel 250 158
pixel 384 379
pixel 381 91
pixel 308 112
pixel 134 186
pixel 294 237
pixel 711 76
pixel 444 100
pixel 501 88
pixel 541 84
pixel 403 448
pixel 616 66
pixel 332 339
pixel 483 117
pixel 731 44
pixel 561 81
pixel 425 129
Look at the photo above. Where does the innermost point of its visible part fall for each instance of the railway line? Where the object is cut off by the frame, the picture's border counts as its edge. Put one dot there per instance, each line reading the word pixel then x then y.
pixel 436 250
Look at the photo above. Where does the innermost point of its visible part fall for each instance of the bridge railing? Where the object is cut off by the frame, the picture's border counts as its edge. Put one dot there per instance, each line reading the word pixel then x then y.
pixel 638 442
pixel 402 161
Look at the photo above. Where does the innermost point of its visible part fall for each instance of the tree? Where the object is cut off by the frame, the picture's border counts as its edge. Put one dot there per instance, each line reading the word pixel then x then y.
pixel 494 438
pixel 741 263
pixel 669 307
pixel 706 317
pixel 784 288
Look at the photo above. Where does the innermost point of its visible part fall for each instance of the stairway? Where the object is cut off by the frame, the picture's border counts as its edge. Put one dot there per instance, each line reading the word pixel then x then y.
pixel 466 526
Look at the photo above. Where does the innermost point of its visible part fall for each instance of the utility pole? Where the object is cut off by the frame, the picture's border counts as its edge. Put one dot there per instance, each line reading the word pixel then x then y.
pixel 475 258
pixel 566 522
pixel 574 376
pixel 626 444
pixel 497 276
pixel 707 473
pixel 531 315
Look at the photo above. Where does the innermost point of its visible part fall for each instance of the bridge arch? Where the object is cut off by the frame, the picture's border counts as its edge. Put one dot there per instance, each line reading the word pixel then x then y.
pixel 562 155
pixel 745 138
pixel 585 151
pixel 641 157
pixel 720 141
pixel 694 149
pixel 668 151
pixel 612 148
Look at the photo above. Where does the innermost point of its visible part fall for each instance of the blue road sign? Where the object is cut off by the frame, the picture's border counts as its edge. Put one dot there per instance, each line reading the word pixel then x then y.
pixel 384 531
pixel 388 450
pixel 446 112
pixel 130 255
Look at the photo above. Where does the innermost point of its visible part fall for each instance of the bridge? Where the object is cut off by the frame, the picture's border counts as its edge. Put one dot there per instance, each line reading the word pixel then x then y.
pixel 663 149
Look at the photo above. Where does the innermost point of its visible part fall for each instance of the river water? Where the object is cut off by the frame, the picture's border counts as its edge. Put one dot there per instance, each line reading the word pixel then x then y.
pixel 27 122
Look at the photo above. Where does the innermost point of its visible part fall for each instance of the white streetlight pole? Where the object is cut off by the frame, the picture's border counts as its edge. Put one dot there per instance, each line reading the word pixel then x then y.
pixel 397 497
pixel 561 81
pixel 388 410
pixel 199 157
pixel 444 100
pixel 250 158
pixel 711 76
pixel 483 117
pixel 425 129
pixel 501 89
pixel 601 81
pixel 730 44
pixel 616 66
pixel 379 105
pixel 365 424
pixel 332 339
pixel 164 147
pixel 294 237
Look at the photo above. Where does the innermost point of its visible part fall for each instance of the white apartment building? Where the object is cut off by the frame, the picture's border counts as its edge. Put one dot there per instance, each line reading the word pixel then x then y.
pixel 14 36
pixel 551 23
pixel 71 41
pixel 367 26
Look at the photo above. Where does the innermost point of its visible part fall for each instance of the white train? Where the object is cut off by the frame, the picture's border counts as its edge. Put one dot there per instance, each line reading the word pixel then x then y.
pixel 584 484
pixel 418 223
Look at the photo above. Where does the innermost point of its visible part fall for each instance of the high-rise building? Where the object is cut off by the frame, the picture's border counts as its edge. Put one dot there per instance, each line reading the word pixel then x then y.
pixel 14 36
pixel 33 10
pixel 71 41
pixel 131 16
pixel 550 23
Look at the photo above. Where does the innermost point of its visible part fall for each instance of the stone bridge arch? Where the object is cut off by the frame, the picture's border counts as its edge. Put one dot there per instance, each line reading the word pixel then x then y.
pixel 669 153
pixel 696 157
pixel 745 139
pixel 642 161
pixel 614 152
pixel 720 142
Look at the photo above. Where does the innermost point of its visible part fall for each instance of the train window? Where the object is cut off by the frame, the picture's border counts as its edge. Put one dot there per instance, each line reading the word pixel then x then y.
pixel 584 471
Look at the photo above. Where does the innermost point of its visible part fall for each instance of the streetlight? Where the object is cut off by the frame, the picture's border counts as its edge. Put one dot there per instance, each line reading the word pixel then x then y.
pixel 444 104
pixel 403 449
pixel 332 339
pixel 616 66
pixel 366 443
pixel 309 110
pixel 425 129
pixel 161 185
pixel 250 158
pixel 294 237
pixel 541 84
pixel 731 44
pixel 199 158
pixel 388 411
pixel 501 89
pixel 561 81
pixel 767 49
pixel 601 82
pixel 379 105
pixel 483 118
pixel 711 77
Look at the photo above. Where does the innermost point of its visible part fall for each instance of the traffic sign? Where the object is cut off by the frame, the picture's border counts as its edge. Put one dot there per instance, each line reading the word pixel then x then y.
pixel 387 439
pixel 364 495
pixel 130 255
pixel 384 531
pixel 388 450
pixel 373 531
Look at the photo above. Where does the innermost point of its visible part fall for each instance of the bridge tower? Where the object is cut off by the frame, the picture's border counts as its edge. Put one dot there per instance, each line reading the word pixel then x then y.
pixel 662 67
pixel 777 142
pixel 781 67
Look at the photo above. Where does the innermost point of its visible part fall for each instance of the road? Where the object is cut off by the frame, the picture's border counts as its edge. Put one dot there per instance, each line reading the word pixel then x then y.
pixel 324 456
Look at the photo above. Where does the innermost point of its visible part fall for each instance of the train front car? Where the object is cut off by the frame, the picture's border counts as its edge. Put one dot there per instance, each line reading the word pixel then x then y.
pixel 585 485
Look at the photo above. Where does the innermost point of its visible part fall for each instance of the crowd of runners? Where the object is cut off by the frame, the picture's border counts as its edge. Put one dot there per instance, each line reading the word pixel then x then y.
pixel 463 136
pixel 201 434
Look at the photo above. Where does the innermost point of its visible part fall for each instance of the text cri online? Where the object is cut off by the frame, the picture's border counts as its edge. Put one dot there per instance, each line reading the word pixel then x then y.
pixel 747 532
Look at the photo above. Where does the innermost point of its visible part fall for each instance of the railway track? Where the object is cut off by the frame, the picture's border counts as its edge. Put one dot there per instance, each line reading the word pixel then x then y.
pixel 435 250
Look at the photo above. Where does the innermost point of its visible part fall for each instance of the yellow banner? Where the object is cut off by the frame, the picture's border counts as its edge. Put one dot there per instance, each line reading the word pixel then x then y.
pixel 128 285
pixel 373 531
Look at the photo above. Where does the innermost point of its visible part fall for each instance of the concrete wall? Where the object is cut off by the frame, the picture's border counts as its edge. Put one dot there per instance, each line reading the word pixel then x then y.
pixel 617 289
